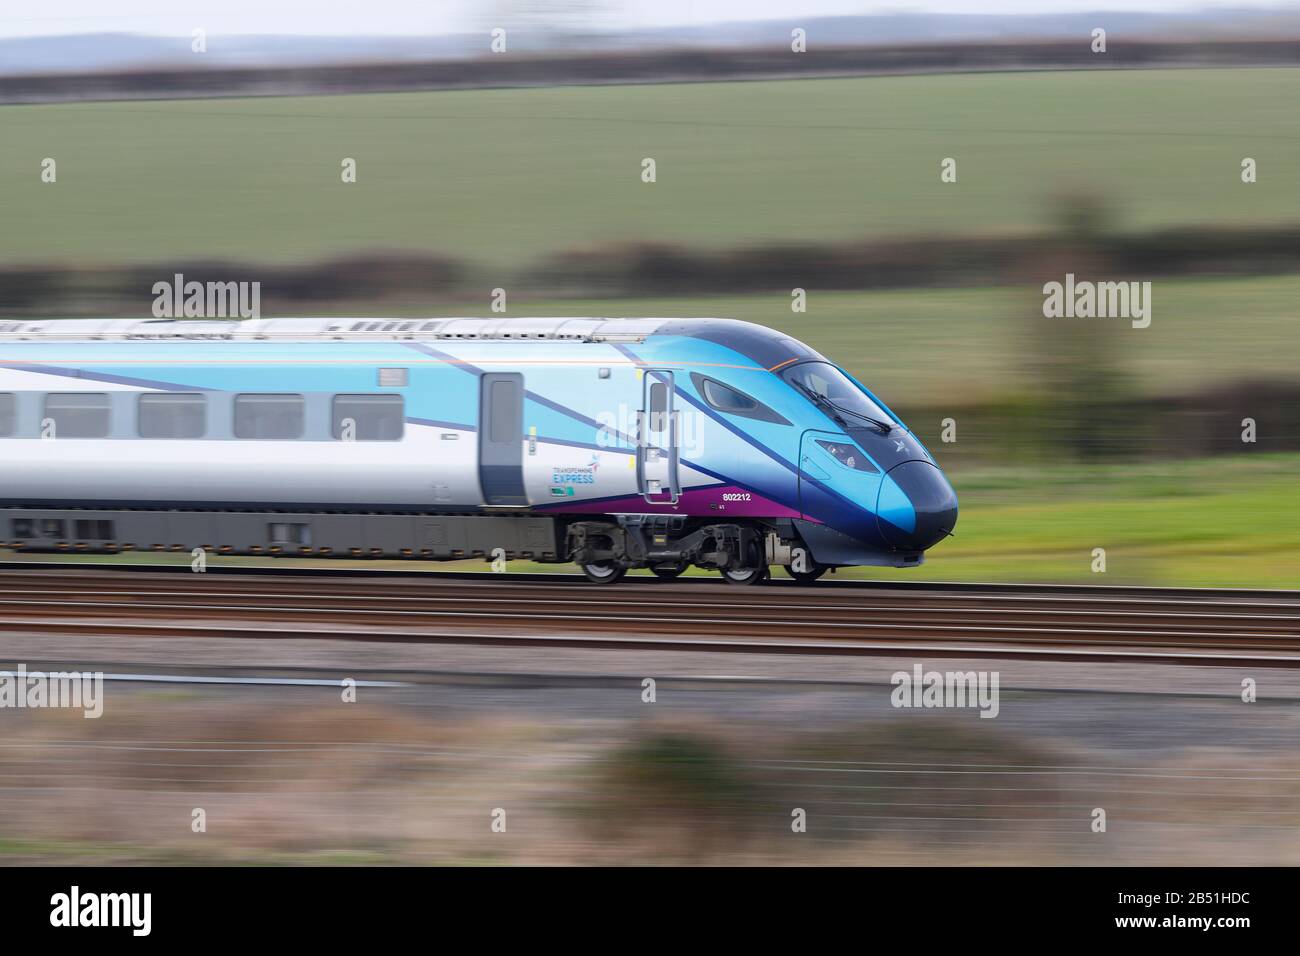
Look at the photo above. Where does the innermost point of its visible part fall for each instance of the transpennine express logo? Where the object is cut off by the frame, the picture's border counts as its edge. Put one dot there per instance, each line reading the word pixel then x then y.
pixel 576 476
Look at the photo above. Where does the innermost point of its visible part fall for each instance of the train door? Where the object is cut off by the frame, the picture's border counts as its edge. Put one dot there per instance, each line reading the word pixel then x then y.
pixel 657 438
pixel 501 438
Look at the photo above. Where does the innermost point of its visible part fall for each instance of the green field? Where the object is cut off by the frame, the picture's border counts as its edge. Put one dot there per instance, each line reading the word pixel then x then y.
pixel 1220 522
pixel 502 177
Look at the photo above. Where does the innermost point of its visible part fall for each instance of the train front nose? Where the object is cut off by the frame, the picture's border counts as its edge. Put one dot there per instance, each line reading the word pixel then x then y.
pixel 933 512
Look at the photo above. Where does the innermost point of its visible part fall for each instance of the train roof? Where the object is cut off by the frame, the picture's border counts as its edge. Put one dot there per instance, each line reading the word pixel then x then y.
pixel 767 346
pixel 331 329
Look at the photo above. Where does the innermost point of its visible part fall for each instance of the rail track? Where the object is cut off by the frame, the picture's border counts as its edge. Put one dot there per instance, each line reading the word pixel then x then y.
pixel 1221 628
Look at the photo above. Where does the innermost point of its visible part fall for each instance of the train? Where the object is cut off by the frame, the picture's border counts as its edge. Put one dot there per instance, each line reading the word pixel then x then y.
pixel 611 443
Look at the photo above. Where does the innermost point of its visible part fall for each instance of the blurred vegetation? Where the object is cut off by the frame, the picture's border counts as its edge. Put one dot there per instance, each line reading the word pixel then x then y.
pixel 683 789
pixel 557 56
pixel 1077 387
pixel 695 793
pixel 900 796
pixel 297 778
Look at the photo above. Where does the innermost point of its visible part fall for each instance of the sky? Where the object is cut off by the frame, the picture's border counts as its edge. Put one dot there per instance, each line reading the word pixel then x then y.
pixel 433 17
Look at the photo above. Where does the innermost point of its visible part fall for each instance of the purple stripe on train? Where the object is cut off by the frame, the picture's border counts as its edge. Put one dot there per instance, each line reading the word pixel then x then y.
pixel 713 501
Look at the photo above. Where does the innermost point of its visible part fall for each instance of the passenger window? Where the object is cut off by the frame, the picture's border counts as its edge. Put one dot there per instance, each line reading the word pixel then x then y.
pixel 369 417
pixel 724 398
pixel 93 530
pixel 289 533
pixel 264 417
pixel 78 414
pixel 7 423
pixel 171 415
pixel 505 425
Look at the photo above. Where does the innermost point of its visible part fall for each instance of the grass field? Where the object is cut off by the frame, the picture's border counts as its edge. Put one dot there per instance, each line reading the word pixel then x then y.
pixel 1224 522
pixel 1219 522
pixel 502 177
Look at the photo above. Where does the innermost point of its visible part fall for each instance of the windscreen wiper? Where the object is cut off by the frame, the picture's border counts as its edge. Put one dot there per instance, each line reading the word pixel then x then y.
pixel 885 427
pixel 824 403
pixel 822 400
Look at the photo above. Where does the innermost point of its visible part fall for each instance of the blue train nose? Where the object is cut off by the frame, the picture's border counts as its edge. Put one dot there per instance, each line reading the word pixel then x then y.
pixel 934 507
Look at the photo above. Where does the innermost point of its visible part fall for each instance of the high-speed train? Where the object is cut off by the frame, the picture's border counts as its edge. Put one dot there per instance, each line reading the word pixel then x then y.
pixel 612 443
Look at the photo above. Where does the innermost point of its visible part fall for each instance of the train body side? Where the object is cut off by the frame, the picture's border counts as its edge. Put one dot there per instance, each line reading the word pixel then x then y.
pixel 581 407
pixel 579 440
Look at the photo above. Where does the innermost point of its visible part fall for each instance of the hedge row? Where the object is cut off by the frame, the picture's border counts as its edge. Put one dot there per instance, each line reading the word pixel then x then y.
pixel 666 269
pixel 645 66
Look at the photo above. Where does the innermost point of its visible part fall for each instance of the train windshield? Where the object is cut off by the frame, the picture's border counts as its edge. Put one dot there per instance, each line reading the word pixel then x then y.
pixel 824 384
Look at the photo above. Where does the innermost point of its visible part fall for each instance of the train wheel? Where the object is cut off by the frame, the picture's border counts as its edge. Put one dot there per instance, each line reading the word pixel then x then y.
pixel 807 577
pixel 667 572
pixel 743 576
pixel 604 572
